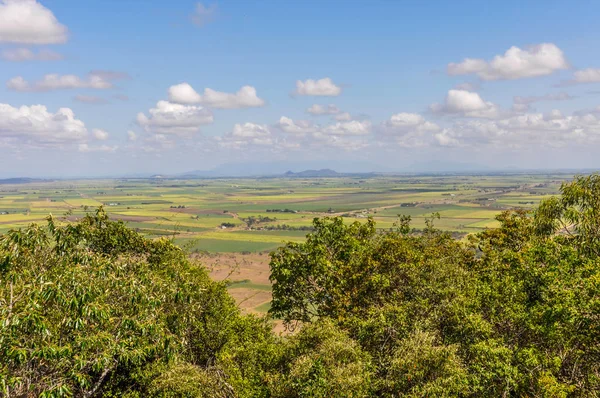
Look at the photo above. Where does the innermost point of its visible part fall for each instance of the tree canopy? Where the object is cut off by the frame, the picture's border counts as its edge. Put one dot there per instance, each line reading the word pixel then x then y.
pixel 512 312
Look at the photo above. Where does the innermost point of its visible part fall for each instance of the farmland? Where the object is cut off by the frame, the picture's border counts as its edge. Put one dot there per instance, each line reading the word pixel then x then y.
pixel 232 224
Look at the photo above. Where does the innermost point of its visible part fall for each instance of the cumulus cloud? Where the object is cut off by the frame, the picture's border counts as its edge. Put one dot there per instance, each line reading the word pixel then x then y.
pixel 203 14
pixel 354 127
pixel 408 130
pixel 184 94
pixel 445 138
pixel 100 134
pixel 466 103
pixel 303 127
pixel 131 135
pixel 539 60
pixel 35 124
pixel 410 121
pixel 529 130
pixel 29 22
pixel 245 97
pixel 322 87
pixel 25 54
pixel 296 126
pixel 589 75
pixel 90 99
pixel 318 110
pixel 100 80
pixel 178 119
pixel 246 134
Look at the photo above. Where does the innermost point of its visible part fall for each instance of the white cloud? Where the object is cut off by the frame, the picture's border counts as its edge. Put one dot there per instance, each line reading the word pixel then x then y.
pixel 409 121
pixel 540 60
pixel 250 130
pixel 184 94
pixel 90 99
pixel 170 118
pixel 35 124
pixel 246 97
pixel 529 130
pixel 303 127
pixel 322 87
pixel 131 135
pixel 466 103
pixel 354 127
pixel 29 22
pixel 100 80
pixel 408 130
pixel 100 135
pixel 248 134
pixel 203 14
pixel 444 138
pixel 318 110
pixel 102 148
pixel 589 75
pixel 347 143
pixel 296 127
pixel 342 117
pixel 25 54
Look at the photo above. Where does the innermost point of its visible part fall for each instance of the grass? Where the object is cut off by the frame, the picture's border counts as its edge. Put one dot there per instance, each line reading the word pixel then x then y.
pixel 263 308
pixel 248 285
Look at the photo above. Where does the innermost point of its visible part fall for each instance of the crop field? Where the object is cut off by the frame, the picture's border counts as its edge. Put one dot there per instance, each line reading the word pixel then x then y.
pixel 232 224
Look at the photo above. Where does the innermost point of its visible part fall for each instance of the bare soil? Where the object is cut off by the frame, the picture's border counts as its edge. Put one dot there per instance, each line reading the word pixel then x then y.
pixel 236 266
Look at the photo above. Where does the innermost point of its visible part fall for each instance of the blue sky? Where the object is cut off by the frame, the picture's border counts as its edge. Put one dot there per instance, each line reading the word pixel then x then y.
pixel 393 71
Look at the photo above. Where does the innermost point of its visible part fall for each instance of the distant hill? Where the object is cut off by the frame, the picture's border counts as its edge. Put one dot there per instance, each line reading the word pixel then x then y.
pixel 313 173
pixel 278 168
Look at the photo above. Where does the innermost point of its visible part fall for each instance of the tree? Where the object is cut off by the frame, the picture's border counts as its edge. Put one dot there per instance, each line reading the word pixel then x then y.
pixel 512 312
pixel 95 309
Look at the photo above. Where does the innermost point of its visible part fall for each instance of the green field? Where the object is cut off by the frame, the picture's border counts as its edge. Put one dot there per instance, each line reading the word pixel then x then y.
pixel 211 215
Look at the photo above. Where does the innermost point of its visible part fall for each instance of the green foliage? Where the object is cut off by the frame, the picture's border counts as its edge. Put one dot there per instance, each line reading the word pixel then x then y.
pixel 322 361
pixel 93 308
pixel 512 312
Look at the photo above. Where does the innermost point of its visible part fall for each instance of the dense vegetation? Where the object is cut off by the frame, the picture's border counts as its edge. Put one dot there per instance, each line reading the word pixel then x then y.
pixel 94 309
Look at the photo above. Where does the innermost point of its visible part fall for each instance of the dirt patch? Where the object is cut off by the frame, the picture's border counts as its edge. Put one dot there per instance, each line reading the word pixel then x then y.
pixel 249 299
pixel 236 266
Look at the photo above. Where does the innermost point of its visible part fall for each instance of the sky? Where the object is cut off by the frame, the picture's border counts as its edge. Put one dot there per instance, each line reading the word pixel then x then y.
pixel 123 87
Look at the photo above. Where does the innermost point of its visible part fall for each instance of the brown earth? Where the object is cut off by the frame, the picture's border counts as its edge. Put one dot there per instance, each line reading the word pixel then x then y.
pixel 249 299
pixel 237 266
